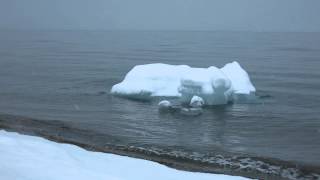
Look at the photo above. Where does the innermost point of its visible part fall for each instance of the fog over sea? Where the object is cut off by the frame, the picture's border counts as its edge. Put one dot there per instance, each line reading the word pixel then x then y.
pixel 66 76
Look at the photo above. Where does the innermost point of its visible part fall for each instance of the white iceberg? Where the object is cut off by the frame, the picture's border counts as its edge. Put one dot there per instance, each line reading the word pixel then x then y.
pixel 27 157
pixel 214 85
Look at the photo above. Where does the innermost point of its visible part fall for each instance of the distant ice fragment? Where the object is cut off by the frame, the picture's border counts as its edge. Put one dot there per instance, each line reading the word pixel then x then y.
pixel 196 101
pixel 215 86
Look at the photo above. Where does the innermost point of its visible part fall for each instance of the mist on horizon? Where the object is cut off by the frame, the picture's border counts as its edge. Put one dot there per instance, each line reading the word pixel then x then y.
pixel 230 15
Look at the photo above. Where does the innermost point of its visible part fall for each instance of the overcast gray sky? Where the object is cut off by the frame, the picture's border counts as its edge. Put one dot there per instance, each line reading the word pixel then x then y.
pixel 252 15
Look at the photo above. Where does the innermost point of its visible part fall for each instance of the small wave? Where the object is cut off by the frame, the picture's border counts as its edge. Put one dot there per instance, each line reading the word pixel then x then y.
pixel 99 93
pixel 254 167
pixel 267 96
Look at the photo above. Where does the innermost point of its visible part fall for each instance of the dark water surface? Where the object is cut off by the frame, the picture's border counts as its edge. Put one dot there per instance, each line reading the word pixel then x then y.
pixel 67 75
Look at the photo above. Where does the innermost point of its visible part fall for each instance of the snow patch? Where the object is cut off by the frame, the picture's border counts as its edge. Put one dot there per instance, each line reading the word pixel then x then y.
pixel 28 157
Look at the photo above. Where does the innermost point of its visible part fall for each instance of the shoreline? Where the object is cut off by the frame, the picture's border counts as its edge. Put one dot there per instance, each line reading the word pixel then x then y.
pixel 231 164
pixel 32 157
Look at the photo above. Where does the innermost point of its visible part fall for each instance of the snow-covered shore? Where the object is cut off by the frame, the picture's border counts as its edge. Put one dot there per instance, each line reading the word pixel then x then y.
pixel 28 157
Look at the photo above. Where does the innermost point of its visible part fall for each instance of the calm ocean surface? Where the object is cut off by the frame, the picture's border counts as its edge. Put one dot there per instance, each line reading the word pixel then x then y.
pixel 67 76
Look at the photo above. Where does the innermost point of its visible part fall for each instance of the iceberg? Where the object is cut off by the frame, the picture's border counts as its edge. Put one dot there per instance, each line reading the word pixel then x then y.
pixel 214 85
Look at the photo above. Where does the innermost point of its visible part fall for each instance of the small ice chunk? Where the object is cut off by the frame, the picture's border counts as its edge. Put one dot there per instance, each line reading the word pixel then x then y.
pixel 164 105
pixel 196 101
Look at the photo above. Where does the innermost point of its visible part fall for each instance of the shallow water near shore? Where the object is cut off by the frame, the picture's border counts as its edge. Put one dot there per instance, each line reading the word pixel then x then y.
pixel 66 76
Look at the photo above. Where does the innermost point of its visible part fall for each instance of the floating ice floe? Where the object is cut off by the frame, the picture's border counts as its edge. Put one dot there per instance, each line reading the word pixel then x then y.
pixel 215 86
